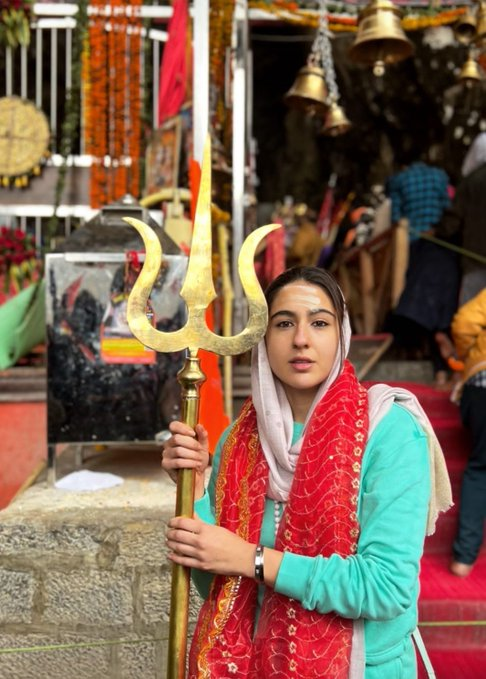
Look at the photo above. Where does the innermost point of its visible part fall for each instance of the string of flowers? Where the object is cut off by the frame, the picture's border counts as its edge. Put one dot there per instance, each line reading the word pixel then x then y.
pixel 220 25
pixel 113 125
pixel 344 17
pixel 97 107
pixel 135 101
pixel 119 115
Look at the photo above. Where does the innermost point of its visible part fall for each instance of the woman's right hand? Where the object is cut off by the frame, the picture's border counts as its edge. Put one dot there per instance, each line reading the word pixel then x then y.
pixel 187 449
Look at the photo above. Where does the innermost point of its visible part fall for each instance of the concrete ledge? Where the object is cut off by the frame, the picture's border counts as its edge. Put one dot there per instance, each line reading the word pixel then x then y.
pixel 86 568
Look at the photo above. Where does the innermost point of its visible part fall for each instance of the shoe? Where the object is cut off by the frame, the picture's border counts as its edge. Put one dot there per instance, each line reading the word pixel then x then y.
pixel 462 570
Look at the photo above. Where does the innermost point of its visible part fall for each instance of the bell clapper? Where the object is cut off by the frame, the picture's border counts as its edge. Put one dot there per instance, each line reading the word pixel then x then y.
pixel 379 68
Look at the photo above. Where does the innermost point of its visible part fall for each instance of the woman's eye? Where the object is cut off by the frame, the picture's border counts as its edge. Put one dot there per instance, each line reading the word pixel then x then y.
pixel 284 324
pixel 320 324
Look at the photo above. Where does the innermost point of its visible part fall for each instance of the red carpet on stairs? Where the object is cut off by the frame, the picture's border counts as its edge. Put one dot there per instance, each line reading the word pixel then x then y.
pixel 452 610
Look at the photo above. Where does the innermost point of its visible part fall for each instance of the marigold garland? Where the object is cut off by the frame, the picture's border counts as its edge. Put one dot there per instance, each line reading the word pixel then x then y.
pixel 220 23
pixel 413 20
pixel 113 99
pixel 135 97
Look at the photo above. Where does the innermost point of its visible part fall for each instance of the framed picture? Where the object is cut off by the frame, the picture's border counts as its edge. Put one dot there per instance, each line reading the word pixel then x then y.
pixel 162 158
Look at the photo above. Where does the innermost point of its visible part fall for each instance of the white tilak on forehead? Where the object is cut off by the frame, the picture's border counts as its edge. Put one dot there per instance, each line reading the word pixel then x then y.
pixel 305 295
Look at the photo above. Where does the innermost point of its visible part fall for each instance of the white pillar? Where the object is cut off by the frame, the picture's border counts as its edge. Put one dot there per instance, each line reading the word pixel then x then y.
pixel 200 87
pixel 240 44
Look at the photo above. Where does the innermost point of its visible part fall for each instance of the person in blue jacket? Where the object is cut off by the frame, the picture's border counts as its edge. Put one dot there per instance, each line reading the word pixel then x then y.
pixel 307 541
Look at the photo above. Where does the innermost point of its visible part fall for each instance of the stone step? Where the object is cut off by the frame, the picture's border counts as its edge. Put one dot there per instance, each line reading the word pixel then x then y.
pixel 456 664
pixel 455 607
pixel 82 568
pixel 23 384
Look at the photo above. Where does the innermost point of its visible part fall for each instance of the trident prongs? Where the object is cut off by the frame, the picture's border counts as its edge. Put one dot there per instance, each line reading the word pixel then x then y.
pixel 198 289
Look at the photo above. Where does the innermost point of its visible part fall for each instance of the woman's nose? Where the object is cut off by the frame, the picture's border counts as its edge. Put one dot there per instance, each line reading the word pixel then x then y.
pixel 300 337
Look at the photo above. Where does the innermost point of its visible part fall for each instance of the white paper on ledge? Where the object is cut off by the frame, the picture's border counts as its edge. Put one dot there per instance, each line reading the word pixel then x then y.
pixel 88 480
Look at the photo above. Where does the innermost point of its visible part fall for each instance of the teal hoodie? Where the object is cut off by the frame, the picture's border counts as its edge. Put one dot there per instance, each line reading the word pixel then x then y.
pixel 380 582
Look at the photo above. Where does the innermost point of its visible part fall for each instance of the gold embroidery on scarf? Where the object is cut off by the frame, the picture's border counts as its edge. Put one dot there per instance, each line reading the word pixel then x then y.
pixel 213 625
pixel 244 498
pixel 225 459
pixel 210 630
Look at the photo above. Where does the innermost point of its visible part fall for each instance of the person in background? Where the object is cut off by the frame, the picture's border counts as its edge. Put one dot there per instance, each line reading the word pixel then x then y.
pixel 469 334
pixel 307 541
pixel 420 194
pixel 465 220
pixel 307 243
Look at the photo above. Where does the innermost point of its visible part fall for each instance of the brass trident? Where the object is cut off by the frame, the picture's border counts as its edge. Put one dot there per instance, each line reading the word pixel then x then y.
pixel 198 292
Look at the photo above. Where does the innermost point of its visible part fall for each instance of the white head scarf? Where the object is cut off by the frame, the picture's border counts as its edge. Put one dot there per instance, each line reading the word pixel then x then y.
pixel 476 155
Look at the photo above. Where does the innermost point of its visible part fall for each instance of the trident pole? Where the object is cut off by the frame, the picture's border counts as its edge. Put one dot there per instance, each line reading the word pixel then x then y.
pixel 198 292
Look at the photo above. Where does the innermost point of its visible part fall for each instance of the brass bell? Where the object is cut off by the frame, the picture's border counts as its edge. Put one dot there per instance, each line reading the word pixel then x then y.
pixel 309 91
pixel 470 70
pixel 380 39
pixel 465 28
pixel 336 121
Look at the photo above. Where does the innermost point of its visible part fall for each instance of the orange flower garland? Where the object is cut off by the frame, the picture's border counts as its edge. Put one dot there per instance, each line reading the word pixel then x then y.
pixel 135 129
pixel 113 99
pixel 416 19
pixel 220 24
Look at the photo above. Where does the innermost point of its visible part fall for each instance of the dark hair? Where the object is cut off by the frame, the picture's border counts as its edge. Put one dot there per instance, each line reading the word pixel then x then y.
pixel 315 276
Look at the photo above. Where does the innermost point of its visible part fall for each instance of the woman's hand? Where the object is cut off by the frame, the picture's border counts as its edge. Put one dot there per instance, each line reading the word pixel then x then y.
pixel 195 544
pixel 186 449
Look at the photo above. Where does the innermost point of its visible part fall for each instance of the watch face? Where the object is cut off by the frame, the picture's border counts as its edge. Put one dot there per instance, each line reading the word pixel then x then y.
pixel 24 136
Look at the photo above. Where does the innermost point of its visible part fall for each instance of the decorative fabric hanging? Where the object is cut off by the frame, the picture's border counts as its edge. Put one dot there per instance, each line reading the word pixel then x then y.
pixel 175 81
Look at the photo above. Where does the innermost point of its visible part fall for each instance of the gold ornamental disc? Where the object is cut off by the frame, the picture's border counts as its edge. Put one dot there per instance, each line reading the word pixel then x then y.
pixel 24 136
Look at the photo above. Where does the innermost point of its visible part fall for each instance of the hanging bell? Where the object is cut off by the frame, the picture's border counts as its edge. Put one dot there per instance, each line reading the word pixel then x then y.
pixel 470 71
pixel 309 91
pixel 336 121
pixel 380 39
pixel 465 28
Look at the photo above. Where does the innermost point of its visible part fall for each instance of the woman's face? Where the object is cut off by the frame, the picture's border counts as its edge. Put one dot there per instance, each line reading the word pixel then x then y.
pixel 302 338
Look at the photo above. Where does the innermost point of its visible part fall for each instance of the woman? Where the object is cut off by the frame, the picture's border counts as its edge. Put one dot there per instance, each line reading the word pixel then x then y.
pixel 307 542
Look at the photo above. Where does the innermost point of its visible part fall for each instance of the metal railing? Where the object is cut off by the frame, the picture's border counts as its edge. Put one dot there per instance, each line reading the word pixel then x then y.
pixel 42 73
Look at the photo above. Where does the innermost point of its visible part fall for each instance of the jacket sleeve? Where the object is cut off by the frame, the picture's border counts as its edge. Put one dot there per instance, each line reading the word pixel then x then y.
pixel 468 323
pixel 379 581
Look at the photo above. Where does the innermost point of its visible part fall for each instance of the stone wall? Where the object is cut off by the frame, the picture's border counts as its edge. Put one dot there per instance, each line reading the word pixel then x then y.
pixel 85 569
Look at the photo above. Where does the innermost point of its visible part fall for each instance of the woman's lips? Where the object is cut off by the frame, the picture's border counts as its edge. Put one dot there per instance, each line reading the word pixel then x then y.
pixel 301 364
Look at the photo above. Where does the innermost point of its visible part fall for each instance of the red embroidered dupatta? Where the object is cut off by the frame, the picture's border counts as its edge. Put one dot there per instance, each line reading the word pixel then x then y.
pixel 319 519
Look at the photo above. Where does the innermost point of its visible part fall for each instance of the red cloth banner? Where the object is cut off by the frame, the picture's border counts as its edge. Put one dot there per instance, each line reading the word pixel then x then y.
pixel 176 63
